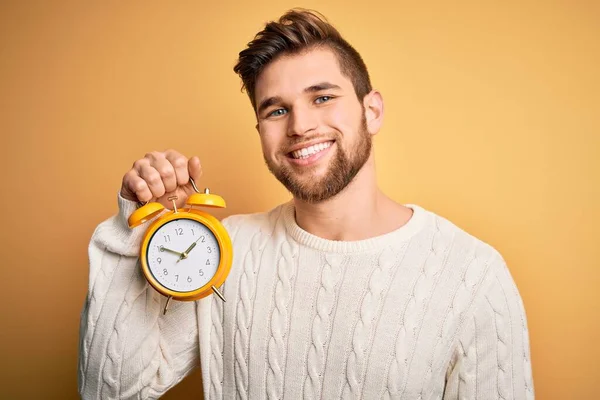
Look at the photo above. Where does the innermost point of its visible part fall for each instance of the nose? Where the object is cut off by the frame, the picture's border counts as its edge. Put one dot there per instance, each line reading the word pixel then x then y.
pixel 301 121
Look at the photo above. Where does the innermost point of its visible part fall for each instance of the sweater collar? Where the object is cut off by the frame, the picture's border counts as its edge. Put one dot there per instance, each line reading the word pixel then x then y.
pixel 396 237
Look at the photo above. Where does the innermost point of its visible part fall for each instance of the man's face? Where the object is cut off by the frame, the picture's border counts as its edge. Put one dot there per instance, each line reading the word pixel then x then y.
pixel 312 126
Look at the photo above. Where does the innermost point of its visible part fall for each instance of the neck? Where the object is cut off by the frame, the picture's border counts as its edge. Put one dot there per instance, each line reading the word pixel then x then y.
pixel 360 211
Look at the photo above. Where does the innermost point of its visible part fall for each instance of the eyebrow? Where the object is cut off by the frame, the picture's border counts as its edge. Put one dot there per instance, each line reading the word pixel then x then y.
pixel 321 86
pixel 268 103
pixel 311 89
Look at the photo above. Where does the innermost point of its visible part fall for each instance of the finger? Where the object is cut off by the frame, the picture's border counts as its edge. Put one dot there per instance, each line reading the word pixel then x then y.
pixel 139 164
pixel 167 173
pixel 195 168
pixel 131 185
pixel 139 187
pixel 153 180
pixel 179 163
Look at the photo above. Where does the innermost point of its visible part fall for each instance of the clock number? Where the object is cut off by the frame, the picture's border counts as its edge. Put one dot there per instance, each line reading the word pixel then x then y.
pixel 167 238
pixel 193 234
pixel 209 249
pixel 165 272
pixel 201 272
pixel 159 260
pixel 189 279
pixel 161 248
pixel 176 278
pixel 202 238
pixel 207 261
pixel 179 231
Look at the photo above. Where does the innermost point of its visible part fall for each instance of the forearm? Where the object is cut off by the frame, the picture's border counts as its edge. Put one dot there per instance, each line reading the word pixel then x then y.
pixel 128 348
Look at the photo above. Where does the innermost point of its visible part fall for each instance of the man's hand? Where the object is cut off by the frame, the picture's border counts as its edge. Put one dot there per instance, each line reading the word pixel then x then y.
pixel 160 175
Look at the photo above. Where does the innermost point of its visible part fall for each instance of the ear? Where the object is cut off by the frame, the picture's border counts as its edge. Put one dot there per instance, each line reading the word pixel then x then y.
pixel 373 106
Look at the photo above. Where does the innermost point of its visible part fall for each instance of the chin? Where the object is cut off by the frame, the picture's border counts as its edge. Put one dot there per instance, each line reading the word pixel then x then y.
pixel 312 176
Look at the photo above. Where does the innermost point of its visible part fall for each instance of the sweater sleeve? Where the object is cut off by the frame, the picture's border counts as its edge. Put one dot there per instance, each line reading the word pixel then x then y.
pixel 491 358
pixel 127 347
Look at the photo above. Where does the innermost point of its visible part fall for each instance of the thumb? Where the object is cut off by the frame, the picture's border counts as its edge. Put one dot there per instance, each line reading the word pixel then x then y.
pixel 195 169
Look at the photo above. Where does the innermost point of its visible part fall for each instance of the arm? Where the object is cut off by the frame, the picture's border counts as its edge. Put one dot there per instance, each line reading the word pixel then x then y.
pixel 128 348
pixel 492 357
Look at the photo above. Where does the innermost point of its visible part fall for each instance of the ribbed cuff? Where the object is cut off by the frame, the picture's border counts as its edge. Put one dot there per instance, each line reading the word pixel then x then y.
pixel 116 234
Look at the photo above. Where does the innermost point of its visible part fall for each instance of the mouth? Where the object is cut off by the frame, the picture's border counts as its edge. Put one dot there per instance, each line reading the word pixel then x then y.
pixel 310 151
pixel 311 155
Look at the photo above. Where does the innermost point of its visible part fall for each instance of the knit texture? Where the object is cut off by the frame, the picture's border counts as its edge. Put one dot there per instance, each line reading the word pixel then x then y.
pixel 424 312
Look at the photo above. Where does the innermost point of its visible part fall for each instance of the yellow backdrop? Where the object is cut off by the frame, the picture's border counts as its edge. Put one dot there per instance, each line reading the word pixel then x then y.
pixel 492 120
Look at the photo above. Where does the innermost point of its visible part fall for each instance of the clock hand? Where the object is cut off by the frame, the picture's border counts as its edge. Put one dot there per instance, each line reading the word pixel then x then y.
pixel 186 252
pixel 163 248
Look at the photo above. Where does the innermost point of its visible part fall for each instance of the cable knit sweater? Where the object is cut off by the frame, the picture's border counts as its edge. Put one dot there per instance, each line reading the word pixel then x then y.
pixel 424 312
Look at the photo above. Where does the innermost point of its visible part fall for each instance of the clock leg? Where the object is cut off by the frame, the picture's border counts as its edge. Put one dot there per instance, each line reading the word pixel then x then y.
pixel 167 304
pixel 218 293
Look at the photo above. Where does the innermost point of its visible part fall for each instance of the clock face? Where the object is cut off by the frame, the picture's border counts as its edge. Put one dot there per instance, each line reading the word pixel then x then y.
pixel 183 255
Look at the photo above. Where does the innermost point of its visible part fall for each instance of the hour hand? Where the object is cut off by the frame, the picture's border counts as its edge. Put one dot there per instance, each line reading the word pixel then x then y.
pixel 163 248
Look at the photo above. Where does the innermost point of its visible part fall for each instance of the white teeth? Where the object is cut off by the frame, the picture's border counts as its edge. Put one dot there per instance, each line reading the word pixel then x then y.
pixel 309 151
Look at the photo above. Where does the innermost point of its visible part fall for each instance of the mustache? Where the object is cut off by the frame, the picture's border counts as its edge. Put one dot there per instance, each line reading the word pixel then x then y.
pixel 286 149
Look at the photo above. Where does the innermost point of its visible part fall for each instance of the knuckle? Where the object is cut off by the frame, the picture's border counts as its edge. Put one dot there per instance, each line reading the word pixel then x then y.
pixel 139 186
pixel 179 162
pixel 138 164
pixel 165 172
pixel 154 178
pixel 153 155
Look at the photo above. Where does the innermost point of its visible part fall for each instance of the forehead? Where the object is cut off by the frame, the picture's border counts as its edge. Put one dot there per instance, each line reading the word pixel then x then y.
pixel 291 74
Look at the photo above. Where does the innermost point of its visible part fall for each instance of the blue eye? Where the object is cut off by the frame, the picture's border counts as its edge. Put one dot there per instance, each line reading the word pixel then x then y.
pixel 277 113
pixel 322 99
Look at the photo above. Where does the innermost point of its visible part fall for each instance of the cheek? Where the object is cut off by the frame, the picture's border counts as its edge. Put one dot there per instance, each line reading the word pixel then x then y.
pixel 345 118
pixel 270 143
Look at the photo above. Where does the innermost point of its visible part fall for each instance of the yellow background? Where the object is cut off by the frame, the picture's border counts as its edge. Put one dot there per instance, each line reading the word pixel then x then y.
pixel 492 120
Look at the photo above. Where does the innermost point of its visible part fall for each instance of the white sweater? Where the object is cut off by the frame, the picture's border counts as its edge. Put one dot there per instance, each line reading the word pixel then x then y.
pixel 424 312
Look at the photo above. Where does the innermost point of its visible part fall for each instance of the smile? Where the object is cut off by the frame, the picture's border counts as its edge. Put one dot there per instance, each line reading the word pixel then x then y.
pixel 306 152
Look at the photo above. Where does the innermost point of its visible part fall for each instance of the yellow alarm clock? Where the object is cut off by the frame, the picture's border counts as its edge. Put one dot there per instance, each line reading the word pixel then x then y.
pixel 185 254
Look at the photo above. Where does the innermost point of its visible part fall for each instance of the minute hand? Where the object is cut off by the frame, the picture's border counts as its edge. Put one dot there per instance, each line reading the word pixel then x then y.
pixel 186 252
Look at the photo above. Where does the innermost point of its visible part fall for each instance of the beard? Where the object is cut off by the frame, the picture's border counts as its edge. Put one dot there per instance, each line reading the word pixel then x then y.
pixel 341 171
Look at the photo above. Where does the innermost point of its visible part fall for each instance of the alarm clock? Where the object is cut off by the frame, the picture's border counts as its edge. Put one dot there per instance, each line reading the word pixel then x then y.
pixel 185 254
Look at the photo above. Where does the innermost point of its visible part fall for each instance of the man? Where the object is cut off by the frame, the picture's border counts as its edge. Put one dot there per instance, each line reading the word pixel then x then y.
pixel 339 293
